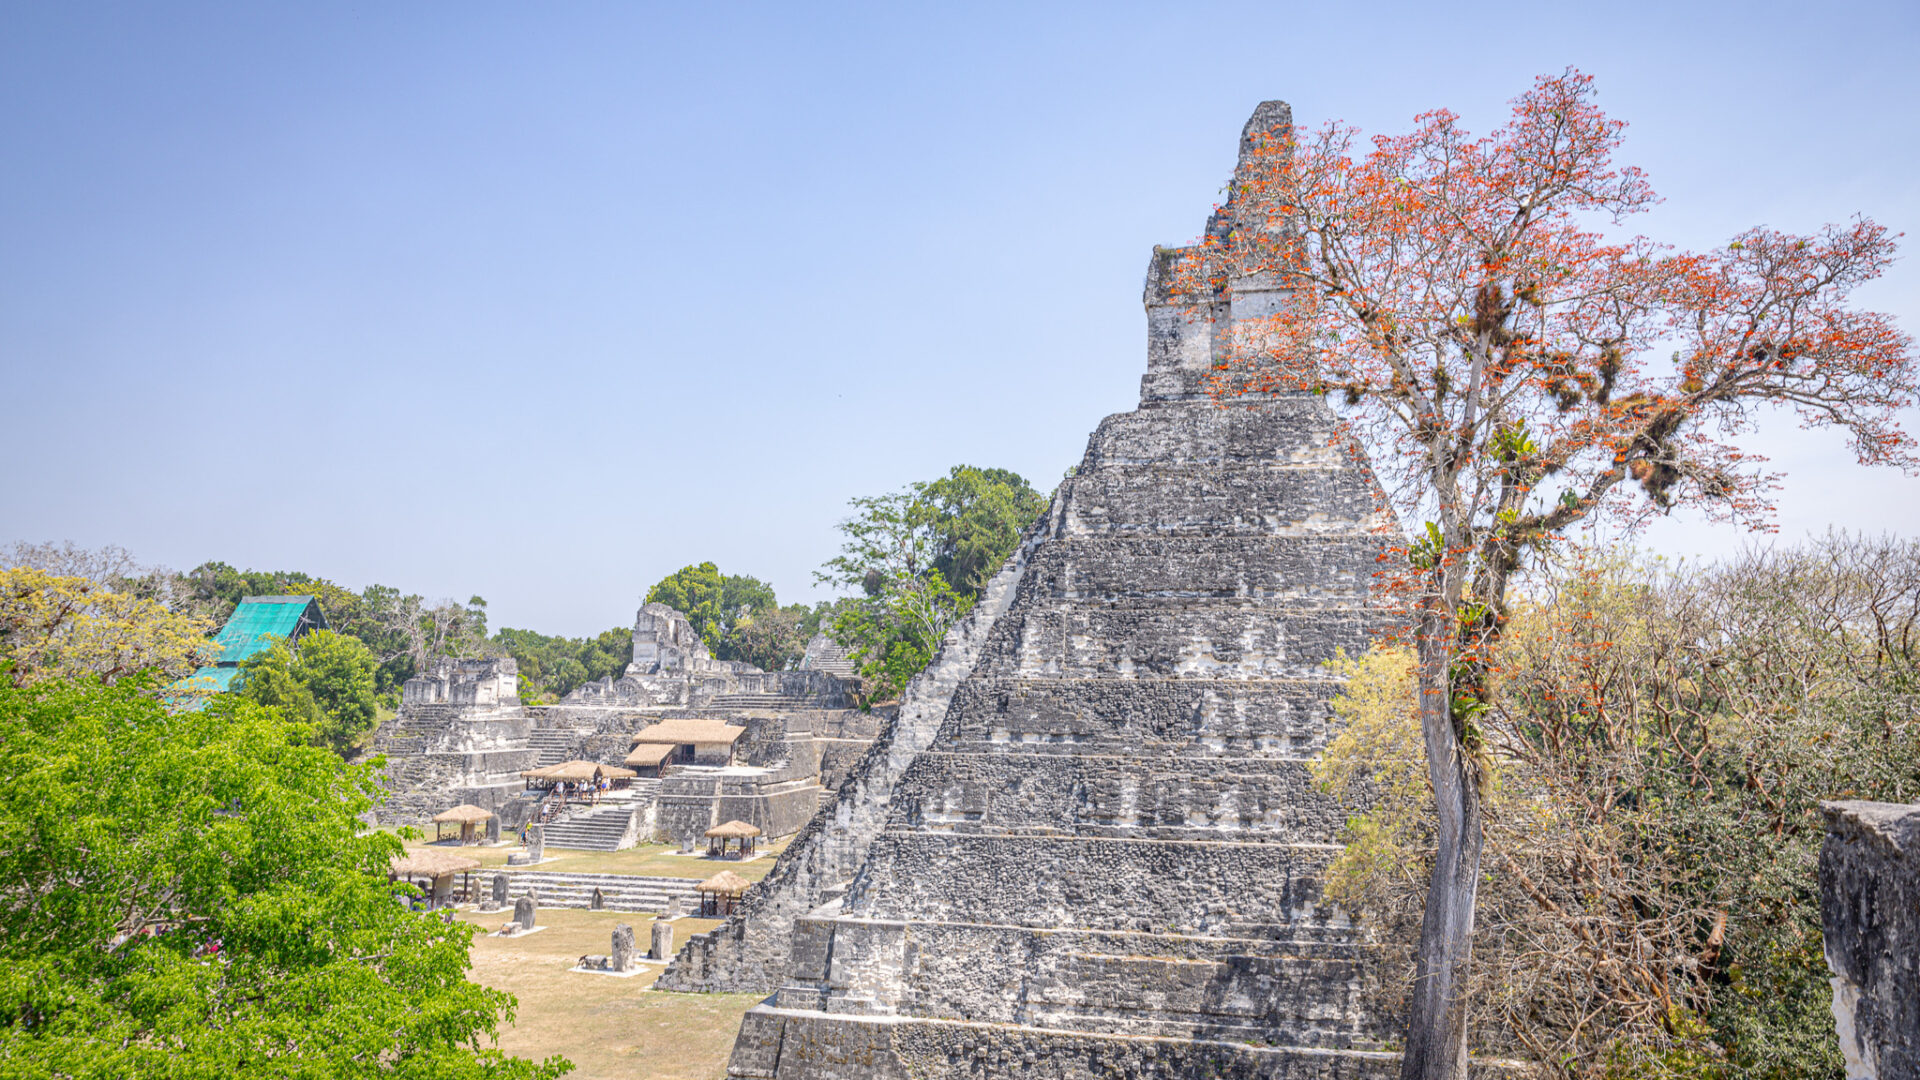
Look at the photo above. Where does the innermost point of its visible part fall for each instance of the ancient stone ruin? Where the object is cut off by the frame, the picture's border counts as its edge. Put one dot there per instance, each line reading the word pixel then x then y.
pixel 1088 845
pixel 1870 910
pixel 789 738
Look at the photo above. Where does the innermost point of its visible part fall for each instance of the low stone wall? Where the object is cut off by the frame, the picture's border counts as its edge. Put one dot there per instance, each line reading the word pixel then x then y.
pixel 689 804
pixel 1870 911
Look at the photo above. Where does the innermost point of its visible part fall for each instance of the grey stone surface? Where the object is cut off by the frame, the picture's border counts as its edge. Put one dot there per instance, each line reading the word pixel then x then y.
pixel 1093 850
pixel 662 947
pixel 462 736
pixel 622 956
pixel 1870 914
pixel 598 901
pixel 493 829
pixel 497 898
pixel 750 951
pixel 525 911
pixel 536 842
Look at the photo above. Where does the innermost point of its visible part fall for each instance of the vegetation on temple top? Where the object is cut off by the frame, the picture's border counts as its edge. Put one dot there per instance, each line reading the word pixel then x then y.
pixel 738 616
pixel 1513 366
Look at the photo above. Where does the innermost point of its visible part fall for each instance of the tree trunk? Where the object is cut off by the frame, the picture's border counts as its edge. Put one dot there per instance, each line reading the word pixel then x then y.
pixel 1436 1047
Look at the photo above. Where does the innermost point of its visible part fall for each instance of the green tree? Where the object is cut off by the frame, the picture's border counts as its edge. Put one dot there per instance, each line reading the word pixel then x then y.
pixel 551 667
pixel 190 895
pixel 697 592
pixel 55 625
pixel 905 603
pixel 771 639
pixel 327 682
pixel 917 559
pixel 1657 746
pixel 715 604
pixel 976 518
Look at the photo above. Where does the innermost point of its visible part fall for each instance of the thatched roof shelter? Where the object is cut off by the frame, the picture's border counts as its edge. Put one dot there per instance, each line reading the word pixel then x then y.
pixel 690 729
pixel 579 770
pixel 648 755
pixel 734 829
pixel 465 814
pixel 432 864
pixel 726 882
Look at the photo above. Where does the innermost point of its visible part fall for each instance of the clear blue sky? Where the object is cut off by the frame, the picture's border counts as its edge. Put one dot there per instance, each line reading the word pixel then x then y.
pixel 542 302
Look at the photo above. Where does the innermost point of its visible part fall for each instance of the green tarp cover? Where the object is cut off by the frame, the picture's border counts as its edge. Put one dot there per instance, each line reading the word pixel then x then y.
pixel 257 623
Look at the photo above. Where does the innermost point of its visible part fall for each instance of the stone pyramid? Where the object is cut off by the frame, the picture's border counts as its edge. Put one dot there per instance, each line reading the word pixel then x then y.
pixel 1090 845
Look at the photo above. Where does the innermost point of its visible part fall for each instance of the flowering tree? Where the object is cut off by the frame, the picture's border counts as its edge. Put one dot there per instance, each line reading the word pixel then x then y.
pixel 1514 367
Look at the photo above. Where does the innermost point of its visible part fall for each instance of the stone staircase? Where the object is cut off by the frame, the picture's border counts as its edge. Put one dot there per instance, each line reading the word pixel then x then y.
pixel 618 892
pixel 554 745
pixel 761 701
pixel 823 654
pixel 603 827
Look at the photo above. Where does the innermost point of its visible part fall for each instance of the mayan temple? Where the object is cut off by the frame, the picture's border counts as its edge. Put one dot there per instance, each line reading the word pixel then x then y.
pixel 1089 845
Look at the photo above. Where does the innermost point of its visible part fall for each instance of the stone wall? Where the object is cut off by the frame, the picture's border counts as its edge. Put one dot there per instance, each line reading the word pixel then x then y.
pixel 1870 911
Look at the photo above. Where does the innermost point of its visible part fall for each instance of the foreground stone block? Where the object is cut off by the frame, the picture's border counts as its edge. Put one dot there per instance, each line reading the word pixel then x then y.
pixel 622 957
pixel 524 910
pixel 1870 915
pixel 662 941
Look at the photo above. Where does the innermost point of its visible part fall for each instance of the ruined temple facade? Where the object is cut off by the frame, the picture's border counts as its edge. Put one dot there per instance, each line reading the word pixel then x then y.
pixel 1089 844
pixel 462 735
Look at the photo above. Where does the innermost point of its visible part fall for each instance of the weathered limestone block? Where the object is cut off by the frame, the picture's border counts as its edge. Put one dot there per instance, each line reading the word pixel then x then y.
pixel 524 912
pixel 621 958
pixel 497 898
pixel 536 842
pixel 1232 798
pixel 662 947
pixel 1870 911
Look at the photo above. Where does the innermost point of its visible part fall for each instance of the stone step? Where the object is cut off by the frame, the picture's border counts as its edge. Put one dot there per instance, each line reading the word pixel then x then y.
pixel 619 892
pixel 554 745
pixel 760 701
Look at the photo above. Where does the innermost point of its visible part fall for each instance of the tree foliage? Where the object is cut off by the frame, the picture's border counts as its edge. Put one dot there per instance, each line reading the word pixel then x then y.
pixel 403 631
pixel 327 682
pixel 1658 745
pixel 1505 363
pixel 189 894
pixel 976 518
pixel 917 560
pixel 56 626
pixel 738 616
pixel 551 667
